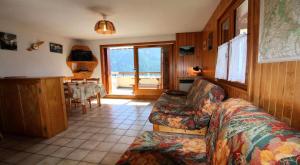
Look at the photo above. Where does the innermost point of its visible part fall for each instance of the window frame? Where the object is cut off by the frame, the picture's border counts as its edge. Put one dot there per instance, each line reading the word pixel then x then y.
pixel 230 14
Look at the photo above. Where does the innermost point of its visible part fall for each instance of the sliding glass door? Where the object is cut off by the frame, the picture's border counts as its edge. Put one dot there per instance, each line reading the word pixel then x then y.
pixel 136 70
pixel 148 67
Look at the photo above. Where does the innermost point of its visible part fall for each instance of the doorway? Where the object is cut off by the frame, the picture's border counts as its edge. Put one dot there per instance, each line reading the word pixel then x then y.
pixel 136 70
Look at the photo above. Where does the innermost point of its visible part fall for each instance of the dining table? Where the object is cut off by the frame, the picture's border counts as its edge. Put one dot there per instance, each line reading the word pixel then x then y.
pixel 85 91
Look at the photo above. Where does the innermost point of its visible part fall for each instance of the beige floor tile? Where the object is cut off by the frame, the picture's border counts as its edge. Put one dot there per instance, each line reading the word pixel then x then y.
pixel 107 130
pixel 50 140
pixel 68 162
pixel 35 148
pixel 132 133
pixel 86 163
pixel 49 161
pixel 62 152
pixel 78 154
pixel 112 138
pixel 126 139
pixel 17 157
pixel 98 137
pixel 94 156
pixel 4 153
pixel 61 141
pixel 72 134
pixel 48 150
pixel 89 145
pixel 124 126
pixel 75 143
pixel 32 159
pixel 119 148
pixel 85 135
pixel 119 131
pixel 110 159
pixel 93 130
pixel 110 124
pixel 104 146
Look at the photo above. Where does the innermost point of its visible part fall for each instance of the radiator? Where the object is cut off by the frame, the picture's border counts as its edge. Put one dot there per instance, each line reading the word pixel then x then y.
pixel 184 85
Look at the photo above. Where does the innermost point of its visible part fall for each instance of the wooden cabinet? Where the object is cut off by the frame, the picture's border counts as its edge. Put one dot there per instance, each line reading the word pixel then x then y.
pixel 32 106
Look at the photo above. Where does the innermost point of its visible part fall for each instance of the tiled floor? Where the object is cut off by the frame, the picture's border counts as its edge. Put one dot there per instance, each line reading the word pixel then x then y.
pixel 98 137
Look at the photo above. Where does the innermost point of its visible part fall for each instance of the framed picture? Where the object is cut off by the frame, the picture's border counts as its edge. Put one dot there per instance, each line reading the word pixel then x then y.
pixel 8 41
pixel 56 48
pixel 210 41
pixel 186 50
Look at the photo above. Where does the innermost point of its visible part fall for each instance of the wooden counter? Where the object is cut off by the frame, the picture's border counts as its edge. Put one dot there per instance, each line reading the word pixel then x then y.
pixel 32 106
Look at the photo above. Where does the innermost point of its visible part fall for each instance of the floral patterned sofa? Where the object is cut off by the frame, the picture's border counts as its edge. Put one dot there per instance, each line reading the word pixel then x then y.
pixel 239 133
pixel 191 112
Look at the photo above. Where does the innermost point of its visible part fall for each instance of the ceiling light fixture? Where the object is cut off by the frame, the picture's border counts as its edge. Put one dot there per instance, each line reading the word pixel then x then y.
pixel 104 26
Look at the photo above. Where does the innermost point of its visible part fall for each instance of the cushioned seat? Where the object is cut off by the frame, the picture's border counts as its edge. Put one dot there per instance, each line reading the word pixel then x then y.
pixel 165 148
pixel 238 133
pixel 241 133
pixel 191 112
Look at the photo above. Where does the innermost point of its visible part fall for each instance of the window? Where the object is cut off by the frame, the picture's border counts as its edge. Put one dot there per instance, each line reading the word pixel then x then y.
pixel 222 64
pixel 225 31
pixel 232 52
pixel 241 19
pixel 238 59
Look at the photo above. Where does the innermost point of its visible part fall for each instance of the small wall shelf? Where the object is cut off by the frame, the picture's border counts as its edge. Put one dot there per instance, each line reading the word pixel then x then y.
pixel 82 69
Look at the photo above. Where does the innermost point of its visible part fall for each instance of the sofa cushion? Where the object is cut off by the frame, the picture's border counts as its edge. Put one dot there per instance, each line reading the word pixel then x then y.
pixel 178 112
pixel 240 133
pixel 203 90
pixel 165 148
pixel 195 120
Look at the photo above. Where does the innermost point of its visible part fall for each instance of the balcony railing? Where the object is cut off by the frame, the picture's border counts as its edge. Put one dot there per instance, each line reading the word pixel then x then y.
pixel 126 79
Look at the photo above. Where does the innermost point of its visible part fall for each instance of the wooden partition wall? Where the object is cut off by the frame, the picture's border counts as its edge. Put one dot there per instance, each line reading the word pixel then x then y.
pixel 275 87
pixel 185 63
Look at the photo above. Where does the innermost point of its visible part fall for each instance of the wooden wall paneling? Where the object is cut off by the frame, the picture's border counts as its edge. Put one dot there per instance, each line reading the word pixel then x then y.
pixel 184 64
pixel 11 113
pixel 55 105
pixel 280 90
pixel 275 87
pixel 289 92
pixel 33 106
pixel 266 89
pixel 295 122
pixel 30 96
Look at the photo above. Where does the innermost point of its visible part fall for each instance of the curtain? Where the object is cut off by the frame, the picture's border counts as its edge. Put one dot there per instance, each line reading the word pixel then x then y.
pixel 221 67
pixel 238 59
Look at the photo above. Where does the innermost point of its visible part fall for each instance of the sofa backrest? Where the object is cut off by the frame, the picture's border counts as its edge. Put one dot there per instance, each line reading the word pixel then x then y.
pixel 240 133
pixel 203 93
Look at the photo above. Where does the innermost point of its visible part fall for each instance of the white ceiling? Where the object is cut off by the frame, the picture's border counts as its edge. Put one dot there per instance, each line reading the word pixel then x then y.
pixel 132 18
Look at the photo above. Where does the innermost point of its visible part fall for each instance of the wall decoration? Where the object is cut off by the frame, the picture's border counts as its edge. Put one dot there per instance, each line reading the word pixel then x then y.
pixel 210 41
pixel 56 48
pixel 279 31
pixel 35 46
pixel 204 45
pixel 8 41
pixel 186 50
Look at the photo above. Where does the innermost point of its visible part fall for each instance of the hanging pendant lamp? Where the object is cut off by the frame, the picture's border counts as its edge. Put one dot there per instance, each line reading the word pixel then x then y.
pixel 105 27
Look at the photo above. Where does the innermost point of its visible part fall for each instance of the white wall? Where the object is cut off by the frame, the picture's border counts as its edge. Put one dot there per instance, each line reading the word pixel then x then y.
pixel 42 62
pixel 95 45
pixel 35 63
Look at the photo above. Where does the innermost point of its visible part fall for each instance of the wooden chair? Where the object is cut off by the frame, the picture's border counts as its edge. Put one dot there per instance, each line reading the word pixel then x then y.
pixel 93 80
pixel 70 100
pixel 97 96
